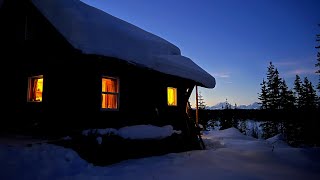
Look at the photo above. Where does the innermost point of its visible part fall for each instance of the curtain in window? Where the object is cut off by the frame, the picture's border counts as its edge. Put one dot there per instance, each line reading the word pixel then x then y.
pixel 33 95
pixel 172 96
pixel 38 89
pixel 109 93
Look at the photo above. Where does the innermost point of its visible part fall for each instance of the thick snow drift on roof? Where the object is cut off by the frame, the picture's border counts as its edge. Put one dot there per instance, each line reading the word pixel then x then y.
pixel 95 32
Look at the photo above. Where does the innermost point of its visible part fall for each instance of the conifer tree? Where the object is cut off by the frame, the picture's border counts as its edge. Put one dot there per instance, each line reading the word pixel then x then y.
pixel 298 91
pixel 270 99
pixel 287 99
pixel 273 87
pixel 309 96
pixel 201 102
pixel 263 96
pixel 318 59
pixel 318 71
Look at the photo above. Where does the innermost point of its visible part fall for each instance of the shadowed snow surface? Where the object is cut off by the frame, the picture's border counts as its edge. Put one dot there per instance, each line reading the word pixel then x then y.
pixel 230 155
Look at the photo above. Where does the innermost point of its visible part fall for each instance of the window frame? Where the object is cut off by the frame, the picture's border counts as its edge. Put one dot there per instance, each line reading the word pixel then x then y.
pixel 113 93
pixel 176 96
pixel 29 90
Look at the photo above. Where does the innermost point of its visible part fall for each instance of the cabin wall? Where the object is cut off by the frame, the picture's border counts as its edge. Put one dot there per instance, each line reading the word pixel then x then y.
pixel 72 94
pixel 141 92
pixel 72 82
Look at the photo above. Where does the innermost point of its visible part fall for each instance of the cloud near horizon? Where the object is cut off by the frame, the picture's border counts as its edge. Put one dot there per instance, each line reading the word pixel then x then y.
pixel 300 72
pixel 222 75
pixel 285 63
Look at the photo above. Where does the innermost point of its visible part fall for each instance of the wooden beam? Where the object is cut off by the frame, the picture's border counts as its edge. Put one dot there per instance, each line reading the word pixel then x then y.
pixel 197 109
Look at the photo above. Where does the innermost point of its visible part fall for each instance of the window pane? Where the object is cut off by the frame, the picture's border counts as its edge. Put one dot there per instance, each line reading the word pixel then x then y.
pixel 35 89
pixel 172 96
pixel 109 101
pixel 109 85
pixel 39 89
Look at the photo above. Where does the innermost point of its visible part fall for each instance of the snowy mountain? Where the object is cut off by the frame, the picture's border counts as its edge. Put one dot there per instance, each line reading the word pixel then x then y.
pixel 222 105
pixel 254 105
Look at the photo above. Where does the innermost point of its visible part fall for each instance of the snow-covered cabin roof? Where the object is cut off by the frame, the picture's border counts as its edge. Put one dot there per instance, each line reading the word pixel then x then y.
pixel 96 32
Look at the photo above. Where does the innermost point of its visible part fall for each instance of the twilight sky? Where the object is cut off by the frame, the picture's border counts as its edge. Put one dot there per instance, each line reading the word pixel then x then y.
pixel 233 40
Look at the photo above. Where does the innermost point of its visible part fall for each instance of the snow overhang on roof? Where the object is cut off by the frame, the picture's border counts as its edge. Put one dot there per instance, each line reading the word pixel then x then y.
pixel 96 32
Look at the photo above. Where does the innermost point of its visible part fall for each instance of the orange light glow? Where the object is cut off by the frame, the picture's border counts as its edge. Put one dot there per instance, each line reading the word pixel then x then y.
pixel 39 89
pixel 172 96
pixel 35 89
pixel 109 93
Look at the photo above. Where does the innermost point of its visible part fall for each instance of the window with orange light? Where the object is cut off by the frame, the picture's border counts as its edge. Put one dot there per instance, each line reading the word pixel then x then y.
pixel 172 96
pixel 110 93
pixel 35 88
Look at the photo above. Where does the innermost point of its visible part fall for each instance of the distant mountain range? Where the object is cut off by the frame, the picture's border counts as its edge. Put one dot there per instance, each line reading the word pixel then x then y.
pixel 222 105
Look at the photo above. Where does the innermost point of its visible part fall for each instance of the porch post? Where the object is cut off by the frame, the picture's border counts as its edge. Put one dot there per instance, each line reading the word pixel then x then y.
pixel 197 111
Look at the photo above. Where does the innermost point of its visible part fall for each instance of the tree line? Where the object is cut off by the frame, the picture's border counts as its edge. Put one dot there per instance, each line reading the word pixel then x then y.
pixel 293 112
pixel 275 93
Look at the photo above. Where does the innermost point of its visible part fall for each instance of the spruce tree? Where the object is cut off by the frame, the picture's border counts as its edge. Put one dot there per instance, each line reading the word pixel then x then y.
pixel 298 91
pixel 201 102
pixel 287 99
pixel 309 96
pixel 203 119
pixel 318 59
pixel 318 65
pixel 263 96
pixel 287 103
pixel 318 71
pixel 273 87
pixel 270 99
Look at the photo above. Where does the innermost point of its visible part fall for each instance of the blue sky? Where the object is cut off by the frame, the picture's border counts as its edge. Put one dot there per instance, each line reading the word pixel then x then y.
pixel 233 40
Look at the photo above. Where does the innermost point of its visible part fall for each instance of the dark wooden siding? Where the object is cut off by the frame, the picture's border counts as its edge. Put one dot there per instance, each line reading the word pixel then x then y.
pixel 72 83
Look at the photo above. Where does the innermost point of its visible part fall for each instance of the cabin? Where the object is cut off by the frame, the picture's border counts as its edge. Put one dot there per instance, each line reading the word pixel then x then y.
pixel 70 66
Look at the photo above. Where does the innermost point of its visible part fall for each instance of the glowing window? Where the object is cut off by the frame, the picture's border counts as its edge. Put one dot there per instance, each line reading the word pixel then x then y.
pixel 110 93
pixel 172 96
pixel 35 88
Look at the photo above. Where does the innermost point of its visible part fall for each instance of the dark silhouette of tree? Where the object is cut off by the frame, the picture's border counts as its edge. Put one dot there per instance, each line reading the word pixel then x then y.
pixel 243 127
pixel 287 103
pixel 291 112
pixel 228 119
pixel 287 99
pixel 270 128
pixel 254 132
pixel 202 110
pixel 298 91
pixel 271 91
pixel 273 86
pixel 309 96
pixel 263 96
pixel 318 71
pixel 318 66
pixel 318 39
pixel 318 59
pixel 227 105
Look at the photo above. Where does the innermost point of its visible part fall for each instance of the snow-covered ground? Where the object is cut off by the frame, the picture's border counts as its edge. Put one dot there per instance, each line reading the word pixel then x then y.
pixel 229 155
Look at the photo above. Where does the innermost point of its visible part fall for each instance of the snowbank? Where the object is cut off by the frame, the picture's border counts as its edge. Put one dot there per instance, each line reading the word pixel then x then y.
pixel 278 141
pixel 237 157
pixel 136 132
